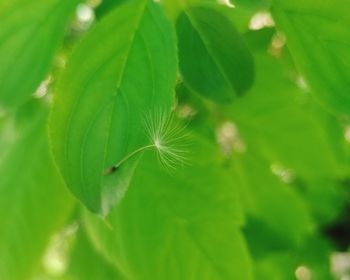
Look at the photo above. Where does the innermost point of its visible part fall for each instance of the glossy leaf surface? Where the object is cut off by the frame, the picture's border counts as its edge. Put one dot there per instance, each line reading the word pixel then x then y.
pixel 29 183
pixel 318 37
pixel 30 34
pixel 164 227
pixel 215 68
pixel 111 85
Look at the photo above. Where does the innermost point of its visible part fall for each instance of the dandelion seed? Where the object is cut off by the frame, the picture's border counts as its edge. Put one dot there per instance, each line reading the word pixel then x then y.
pixel 166 136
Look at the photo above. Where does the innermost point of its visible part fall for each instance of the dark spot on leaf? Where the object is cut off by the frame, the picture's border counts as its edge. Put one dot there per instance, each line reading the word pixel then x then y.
pixel 110 170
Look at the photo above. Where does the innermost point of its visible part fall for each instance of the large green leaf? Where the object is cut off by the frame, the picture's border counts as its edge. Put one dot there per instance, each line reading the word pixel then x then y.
pixel 123 71
pixel 326 198
pixel 278 125
pixel 274 208
pixel 281 121
pixel 253 4
pixel 33 199
pixel 318 37
pixel 107 6
pixel 176 227
pixel 214 59
pixel 87 264
pixel 312 258
pixel 30 33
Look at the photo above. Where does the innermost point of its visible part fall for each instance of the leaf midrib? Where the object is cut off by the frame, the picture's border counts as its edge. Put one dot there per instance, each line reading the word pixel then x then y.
pixel 119 83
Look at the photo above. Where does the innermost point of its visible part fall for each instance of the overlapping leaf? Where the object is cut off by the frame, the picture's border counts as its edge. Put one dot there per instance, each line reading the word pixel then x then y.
pixel 274 207
pixel 33 199
pixel 86 263
pixel 122 72
pixel 280 120
pixel 176 227
pixel 107 6
pixel 30 33
pixel 215 68
pixel 303 262
pixel 318 37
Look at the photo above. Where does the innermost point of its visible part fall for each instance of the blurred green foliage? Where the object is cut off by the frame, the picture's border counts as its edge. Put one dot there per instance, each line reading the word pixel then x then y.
pixel 174 139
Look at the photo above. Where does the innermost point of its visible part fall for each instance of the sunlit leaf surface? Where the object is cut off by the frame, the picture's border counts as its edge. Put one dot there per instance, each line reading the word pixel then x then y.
pixel 165 229
pixel 33 199
pixel 111 85
pixel 30 34
pixel 218 69
pixel 318 36
pixel 202 140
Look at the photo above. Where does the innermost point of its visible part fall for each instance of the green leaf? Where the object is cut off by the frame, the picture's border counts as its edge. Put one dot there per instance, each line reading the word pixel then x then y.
pixel 280 120
pixel 33 199
pixel 318 37
pixel 30 33
pixel 312 257
pixel 214 59
pixel 325 197
pixel 276 266
pixel 318 263
pixel 274 207
pixel 255 5
pixel 107 6
pixel 123 71
pixel 173 8
pixel 176 227
pixel 87 264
